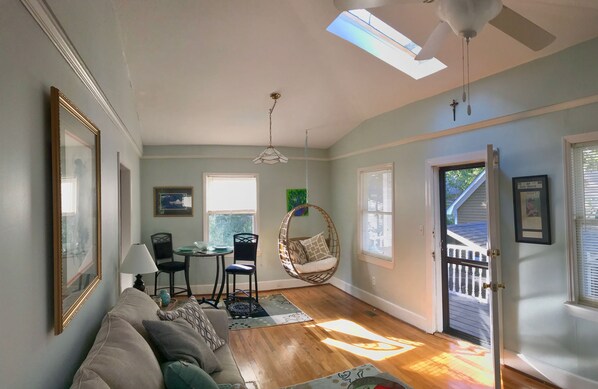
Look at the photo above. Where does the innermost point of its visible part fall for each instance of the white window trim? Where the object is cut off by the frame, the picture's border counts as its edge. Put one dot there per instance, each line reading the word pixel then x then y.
pixel 573 306
pixel 230 175
pixel 382 261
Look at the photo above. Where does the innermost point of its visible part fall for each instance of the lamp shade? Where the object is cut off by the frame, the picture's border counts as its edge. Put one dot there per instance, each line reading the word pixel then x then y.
pixel 138 261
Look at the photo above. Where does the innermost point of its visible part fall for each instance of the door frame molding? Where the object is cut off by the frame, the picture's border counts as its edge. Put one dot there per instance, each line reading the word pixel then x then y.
pixel 432 225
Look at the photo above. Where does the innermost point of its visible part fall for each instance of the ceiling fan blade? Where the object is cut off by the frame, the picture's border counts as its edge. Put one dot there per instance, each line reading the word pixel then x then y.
pixel 522 29
pixel 346 5
pixel 434 42
pixel 590 4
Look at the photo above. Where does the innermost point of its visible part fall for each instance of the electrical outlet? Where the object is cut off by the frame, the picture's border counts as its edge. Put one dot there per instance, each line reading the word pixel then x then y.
pixel 373 280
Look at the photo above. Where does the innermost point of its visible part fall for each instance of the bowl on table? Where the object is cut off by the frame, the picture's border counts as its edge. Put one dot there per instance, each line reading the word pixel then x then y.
pixel 202 246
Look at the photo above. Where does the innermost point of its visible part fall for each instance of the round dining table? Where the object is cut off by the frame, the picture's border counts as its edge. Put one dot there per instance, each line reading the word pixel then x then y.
pixel 220 273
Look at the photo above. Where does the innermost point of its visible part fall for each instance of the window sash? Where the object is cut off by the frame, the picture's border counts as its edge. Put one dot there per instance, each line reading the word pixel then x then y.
pixel 584 174
pixel 229 195
pixel 377 243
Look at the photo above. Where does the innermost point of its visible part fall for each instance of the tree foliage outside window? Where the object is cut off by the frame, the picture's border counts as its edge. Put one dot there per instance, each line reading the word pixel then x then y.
pixel 224 226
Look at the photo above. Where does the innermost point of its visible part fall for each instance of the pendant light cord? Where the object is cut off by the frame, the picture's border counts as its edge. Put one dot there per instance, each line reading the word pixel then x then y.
pixel 306 171
pixel 272 110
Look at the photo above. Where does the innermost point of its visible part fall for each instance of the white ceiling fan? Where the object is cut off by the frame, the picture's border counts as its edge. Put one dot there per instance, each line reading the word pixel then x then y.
pixel 466 18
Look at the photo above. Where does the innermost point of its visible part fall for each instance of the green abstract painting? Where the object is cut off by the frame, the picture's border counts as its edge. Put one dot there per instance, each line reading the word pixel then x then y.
pixel 296 197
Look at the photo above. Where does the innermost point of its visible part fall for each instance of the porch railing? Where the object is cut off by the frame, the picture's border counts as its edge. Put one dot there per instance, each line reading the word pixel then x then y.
pixel 466 279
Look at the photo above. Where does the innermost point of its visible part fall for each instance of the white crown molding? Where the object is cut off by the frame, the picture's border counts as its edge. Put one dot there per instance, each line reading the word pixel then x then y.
pixel 571 104
pixel 43 15
pixel 197 156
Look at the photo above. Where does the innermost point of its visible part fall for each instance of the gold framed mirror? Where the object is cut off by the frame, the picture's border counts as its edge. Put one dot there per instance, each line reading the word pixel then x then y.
pixel 76 211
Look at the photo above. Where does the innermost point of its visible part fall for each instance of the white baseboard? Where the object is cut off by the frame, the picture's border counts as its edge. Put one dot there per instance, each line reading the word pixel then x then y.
pixel 384 305
pixel 546 372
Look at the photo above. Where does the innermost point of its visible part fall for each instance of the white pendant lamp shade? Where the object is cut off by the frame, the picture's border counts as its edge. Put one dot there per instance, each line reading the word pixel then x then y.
pixel 138 261
pixel 270 155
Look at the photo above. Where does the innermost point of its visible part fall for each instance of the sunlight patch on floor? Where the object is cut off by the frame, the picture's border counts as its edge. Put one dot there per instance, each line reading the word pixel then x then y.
pixel 447 364
pixel 378 349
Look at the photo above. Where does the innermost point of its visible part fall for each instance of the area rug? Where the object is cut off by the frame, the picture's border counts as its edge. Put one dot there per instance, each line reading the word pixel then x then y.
pixel 362 377
pixel 272 310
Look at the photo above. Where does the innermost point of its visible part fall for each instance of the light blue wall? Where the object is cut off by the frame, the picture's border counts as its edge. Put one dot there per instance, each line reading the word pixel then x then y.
pixel 535 321
pixel 31 356
pixel 159 168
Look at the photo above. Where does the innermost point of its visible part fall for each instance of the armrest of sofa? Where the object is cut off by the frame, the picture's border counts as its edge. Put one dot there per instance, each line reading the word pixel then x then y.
pixel 219 319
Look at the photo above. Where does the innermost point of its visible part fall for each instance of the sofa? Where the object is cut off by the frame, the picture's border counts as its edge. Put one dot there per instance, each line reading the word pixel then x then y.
pixel 124 355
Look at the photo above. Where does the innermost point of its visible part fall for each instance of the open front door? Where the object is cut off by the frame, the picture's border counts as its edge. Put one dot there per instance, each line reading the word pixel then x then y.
pixel 494 286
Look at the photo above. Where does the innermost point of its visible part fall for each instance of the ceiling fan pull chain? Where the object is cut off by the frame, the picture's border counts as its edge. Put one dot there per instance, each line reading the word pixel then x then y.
pixel 468 71
pixel 463 68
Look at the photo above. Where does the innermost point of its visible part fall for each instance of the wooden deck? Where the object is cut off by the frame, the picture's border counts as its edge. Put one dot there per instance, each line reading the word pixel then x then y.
pixel 468 315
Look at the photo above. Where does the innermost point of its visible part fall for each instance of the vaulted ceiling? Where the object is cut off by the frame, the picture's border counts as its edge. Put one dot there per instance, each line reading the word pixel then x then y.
pixel 203 70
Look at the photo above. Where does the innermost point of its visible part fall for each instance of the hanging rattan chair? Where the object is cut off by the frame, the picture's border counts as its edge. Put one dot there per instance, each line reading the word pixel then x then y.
pixel 289 255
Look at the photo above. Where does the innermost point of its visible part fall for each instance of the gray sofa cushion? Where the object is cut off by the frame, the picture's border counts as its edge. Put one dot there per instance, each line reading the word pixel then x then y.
pixel 178 341
pixel 230 373
pixel 134 307
pixel 119 356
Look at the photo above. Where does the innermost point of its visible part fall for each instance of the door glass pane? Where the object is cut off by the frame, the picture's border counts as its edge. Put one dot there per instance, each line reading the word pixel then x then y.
pixel 467 312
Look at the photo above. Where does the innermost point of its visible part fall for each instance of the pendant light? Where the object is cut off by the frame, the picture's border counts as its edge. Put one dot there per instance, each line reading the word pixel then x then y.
pixel 271 156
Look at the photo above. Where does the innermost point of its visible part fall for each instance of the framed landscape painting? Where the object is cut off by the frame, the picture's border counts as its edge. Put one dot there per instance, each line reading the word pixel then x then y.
pixel 76 192
pixel 532 214
pixel 173 201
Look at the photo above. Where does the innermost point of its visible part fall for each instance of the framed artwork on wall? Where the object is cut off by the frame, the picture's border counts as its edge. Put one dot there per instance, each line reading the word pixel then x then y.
pixel 297 197
pixel 173 201
pixel 532 212
pixel 76 179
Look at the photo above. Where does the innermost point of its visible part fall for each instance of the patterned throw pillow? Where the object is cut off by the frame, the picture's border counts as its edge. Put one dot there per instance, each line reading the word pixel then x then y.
pixel 316 248
pixel 194 314
pixel 297 252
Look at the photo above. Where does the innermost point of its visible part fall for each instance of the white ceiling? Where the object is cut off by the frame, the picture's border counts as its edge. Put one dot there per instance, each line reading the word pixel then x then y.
pixel 203 70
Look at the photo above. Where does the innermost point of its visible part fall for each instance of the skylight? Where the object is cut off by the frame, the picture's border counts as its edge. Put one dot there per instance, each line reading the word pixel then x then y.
pixel 371 34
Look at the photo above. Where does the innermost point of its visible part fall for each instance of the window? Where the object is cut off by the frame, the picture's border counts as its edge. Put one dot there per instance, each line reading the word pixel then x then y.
pixel 371 34
pixel 376 214
pixel 230 206
pixel 583 183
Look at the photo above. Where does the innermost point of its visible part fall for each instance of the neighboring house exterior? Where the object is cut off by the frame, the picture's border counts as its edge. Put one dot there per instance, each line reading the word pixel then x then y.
pixel 470 206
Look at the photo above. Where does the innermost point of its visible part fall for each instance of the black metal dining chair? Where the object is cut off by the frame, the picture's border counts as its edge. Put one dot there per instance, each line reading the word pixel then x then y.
pixel 245 246
pixel 163 255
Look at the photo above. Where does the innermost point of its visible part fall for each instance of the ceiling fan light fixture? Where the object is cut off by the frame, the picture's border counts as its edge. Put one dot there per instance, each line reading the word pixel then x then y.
pixel 270 155
pixel 468 17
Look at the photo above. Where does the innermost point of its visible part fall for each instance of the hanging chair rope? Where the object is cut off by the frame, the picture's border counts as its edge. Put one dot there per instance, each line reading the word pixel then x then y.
pixel 288 259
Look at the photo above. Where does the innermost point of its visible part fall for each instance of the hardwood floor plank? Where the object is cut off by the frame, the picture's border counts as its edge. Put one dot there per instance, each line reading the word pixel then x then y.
pixel 346 333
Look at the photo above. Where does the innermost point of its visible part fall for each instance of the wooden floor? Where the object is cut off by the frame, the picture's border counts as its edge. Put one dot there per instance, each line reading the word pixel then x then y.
pixel 346 333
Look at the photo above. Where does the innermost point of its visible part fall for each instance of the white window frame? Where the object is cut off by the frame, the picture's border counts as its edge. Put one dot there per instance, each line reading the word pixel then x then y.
pixel 373 258
pixel 207 214
pixel 574 307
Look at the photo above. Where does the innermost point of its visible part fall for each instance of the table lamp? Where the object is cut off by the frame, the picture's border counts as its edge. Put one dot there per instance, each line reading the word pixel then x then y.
pixel 138 261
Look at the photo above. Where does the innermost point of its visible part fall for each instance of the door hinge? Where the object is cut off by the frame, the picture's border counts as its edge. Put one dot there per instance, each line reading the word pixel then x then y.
pixel 493 286
pixel 493 253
